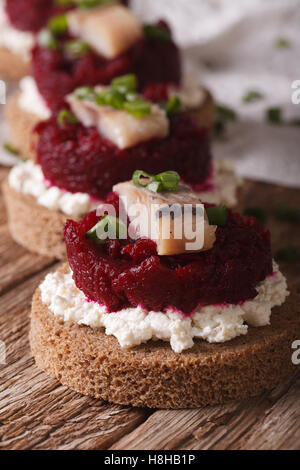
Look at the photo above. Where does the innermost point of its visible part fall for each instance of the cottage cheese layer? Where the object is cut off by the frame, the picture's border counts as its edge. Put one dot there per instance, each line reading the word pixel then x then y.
pixel 223 185
pixel 30 99
pixel 28 178
pixel 18 42
pixel 134 326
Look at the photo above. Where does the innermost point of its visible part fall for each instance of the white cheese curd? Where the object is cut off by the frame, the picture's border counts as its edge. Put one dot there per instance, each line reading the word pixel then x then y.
pixel 191 93
pixel 225 184
pixel 28 178
pixel 133 326
pixel 18 42
pixel 31 100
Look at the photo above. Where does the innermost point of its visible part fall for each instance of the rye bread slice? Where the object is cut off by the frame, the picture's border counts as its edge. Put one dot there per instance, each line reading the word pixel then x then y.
pixel 152 375
pixel 12 66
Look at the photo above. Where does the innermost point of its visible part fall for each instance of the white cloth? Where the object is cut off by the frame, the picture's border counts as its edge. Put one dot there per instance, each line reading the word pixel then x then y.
pixel 238 38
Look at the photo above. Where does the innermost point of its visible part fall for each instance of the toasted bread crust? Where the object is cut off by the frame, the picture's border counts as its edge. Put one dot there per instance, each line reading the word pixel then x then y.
pixel 204 115
pixel 21 125
pixel 152 375
pixel 12 66
pixel 33 226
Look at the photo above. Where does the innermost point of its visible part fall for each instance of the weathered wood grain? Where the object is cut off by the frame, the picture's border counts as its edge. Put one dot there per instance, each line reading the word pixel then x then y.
pixel 36 412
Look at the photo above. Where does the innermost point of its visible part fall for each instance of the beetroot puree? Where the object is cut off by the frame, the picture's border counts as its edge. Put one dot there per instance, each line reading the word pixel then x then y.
pixel 127 274
pixel 151 60
pixel 78 159
pixel 30 15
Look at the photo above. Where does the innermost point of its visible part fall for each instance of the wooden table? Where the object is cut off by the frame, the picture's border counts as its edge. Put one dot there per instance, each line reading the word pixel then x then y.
pixel 36 412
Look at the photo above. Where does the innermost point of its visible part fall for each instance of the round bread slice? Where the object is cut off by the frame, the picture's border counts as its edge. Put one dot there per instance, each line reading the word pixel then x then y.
pixel 34 226
pixel 204 115
pixel 21 125
pixel 12 66
pixel 152 375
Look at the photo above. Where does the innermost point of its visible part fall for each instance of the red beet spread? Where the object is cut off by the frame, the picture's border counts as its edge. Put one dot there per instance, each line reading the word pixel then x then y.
pixel 31 15
pixel 78 159
pixel 151 60
pixel 124 273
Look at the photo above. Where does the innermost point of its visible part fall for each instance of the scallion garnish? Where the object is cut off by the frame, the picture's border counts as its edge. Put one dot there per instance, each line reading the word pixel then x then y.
pixel 251 96
pixel 258 213
pixel 58 25
pixel 166 181
pixel 108 228
pixel 173 106
pixel 282 43
pixel 111 97
pixel 11 149
pixel 138 108
pixel 287 254
pixel 65 117
pixel 125 83
pixel 157 33
pixel 47 39
pixel 76 48
pixel 274 115
pixel 86 93
pixel 286 213
pixel 217 215
pixel 224 115
pixel 87 4
pixel 169 180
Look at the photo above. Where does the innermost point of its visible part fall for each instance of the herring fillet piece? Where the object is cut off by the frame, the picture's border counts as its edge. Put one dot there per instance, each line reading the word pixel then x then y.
pixel 152 223
pixel 118 126
pixel 109 30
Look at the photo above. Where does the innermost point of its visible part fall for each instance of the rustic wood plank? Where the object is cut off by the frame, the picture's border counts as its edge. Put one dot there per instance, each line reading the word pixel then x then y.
pixel 35 410
pixel 17 264
pixel 222 427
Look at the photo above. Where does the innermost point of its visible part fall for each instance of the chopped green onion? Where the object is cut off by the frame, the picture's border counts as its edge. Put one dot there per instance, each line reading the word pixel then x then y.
pixel 286 213
pixel 66 117
pixel 173 106
pixel 166 181
pixel 112 98
pixel 132 96
pixel 109 227
pixel 11 149
pixel 169 179
pixel 282 43
pixel 86 93
pixel 288 254
pixel 217 215
pixel 138 108
pixel 77 48
pixel 258 213
pixel 141 178
pixel 219 127
pixel 225 113
pixel 47 39
pixel 274 115
pixel 64 3
pixel 125 83
pixel 58 24
pixel 156 187
pixel 87 4
pixel 251 96
pixel 157 33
